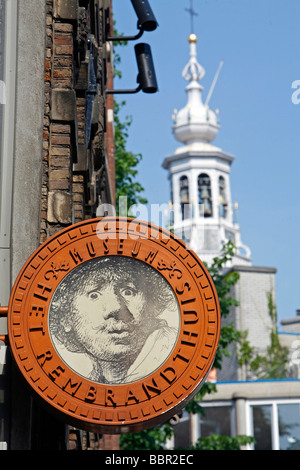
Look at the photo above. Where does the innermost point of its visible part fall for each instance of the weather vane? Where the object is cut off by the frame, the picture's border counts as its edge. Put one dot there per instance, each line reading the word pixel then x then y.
pixel 192 12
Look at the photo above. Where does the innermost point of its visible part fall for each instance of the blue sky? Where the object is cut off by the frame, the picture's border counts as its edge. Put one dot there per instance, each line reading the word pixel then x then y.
pixel 259 41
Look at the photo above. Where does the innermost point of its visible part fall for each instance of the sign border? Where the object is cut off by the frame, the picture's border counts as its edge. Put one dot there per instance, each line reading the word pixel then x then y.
pixel 114 409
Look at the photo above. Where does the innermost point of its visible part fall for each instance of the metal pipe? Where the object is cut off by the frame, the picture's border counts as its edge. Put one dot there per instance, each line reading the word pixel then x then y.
pixel 4 339
pixel 115 92
pixel 3 311
pixel 125 38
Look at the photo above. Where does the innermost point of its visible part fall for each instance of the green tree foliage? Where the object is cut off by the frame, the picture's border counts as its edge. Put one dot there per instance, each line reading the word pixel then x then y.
pixel 273 364
pixel 152 439
pixel 126 164
pixel 215 442
pixel 224 280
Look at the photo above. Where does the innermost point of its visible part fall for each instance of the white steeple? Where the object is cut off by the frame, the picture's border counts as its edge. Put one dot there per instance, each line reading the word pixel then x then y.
pixel 200 174
pixel 195 122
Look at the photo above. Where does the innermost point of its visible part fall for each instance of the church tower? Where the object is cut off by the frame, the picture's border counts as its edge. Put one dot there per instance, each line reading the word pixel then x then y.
pixel 204 215
pixel 199 172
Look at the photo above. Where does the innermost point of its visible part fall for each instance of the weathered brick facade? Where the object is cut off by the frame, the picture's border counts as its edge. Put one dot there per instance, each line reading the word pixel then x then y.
pixel 78 145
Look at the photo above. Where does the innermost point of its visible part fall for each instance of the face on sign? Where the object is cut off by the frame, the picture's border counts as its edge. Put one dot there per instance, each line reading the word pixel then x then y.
pixel 114 319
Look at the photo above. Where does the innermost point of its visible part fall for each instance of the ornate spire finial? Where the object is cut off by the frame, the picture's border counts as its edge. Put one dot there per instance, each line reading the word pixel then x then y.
pixel 193 71
pixel 193 38
pixel 195 123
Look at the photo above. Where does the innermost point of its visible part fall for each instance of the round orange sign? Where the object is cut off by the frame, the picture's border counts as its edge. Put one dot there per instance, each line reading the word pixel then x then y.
pixel 114 323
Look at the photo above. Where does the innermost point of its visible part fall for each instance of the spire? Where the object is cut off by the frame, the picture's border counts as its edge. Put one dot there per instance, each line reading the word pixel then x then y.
pixel 193 71
pixel 200 171
pixel 195 122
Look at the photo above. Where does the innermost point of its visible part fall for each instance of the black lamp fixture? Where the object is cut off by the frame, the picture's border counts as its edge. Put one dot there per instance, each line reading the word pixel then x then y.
pixel 146 20
pixel 146 78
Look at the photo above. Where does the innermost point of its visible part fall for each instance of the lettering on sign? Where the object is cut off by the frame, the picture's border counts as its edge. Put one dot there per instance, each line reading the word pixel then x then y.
pixel 113 327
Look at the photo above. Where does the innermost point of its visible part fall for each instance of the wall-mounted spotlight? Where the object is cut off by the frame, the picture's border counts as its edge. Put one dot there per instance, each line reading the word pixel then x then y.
pixel 146 20
pixel 146 77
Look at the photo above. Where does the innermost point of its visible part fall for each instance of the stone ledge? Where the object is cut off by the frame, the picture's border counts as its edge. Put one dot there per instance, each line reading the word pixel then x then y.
pixel 82 159
pixel 63 105
pixel 66 9
pixel 60 207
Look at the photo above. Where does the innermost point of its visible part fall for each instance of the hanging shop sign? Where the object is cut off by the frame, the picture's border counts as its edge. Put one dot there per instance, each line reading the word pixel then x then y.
pixel 114 323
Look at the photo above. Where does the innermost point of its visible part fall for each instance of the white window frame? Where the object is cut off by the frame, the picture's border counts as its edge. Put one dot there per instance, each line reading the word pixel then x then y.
pixel 273 402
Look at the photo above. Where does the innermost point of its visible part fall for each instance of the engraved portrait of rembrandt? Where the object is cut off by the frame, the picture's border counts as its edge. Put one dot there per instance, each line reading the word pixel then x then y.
pixel 114 319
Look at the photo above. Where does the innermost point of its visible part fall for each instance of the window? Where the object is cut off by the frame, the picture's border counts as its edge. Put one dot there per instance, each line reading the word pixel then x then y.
pixel 182 436
pixel 289 426
pixel 204 195
pixel 276 425
pixel 262 428
pixel 216 420
pixel 184 197
pixel 222 198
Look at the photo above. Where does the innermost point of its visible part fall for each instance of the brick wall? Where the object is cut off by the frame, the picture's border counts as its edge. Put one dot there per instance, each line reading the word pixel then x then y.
pixel 78 135
pixel 78 151
pixel 109 442
pixel 79 440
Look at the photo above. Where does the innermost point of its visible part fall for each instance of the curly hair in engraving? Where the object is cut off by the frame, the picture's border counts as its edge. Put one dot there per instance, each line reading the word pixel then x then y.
pixel 118 315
